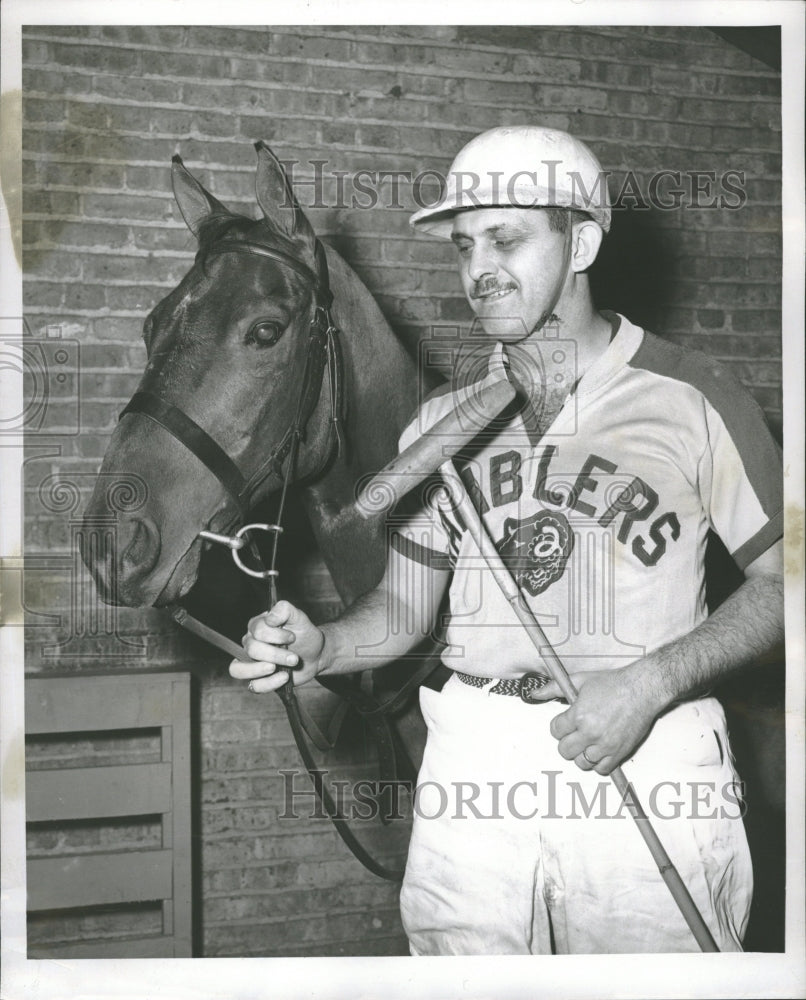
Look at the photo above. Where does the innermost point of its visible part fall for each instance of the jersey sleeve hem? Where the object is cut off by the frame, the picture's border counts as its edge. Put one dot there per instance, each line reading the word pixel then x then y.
pixel 760 542
pixel 420 553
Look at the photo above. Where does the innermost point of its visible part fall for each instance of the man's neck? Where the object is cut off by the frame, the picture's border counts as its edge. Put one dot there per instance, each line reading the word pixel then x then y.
pixel 586 332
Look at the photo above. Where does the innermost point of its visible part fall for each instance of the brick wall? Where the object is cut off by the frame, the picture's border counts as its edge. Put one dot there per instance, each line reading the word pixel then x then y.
pixel 106 108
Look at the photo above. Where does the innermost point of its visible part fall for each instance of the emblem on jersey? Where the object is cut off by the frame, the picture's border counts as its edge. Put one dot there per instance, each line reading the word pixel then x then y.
pixel 536 549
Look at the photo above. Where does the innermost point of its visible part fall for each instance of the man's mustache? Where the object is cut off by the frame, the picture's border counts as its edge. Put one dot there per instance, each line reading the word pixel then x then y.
pixel 487 286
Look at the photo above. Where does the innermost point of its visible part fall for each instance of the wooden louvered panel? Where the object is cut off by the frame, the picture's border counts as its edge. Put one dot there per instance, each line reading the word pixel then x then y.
pixel 143 947
pixel 115 705
pixel 108 701
pixel 95 879
pixel 96 792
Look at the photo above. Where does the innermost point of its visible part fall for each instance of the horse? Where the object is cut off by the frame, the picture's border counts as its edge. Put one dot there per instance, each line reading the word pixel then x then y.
pixel 249 389
pixel 227 347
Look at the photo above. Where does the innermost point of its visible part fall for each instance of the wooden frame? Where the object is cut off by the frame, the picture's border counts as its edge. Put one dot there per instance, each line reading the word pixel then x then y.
pixel 91 702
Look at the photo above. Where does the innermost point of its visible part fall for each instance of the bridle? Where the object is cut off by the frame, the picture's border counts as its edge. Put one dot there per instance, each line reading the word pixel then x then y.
pixel 323 352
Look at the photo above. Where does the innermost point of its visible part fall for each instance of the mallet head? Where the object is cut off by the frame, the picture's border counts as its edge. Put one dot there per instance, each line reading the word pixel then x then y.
pixel 473 412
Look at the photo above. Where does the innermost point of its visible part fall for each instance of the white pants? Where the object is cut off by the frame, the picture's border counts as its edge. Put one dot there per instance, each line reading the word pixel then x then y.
pixel 516 851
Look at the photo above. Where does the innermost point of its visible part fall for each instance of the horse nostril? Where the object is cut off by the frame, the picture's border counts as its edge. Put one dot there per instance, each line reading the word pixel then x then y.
pixel 141 554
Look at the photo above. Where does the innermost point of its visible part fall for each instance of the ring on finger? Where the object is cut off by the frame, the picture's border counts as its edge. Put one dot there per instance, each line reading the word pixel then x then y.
pixel 593 763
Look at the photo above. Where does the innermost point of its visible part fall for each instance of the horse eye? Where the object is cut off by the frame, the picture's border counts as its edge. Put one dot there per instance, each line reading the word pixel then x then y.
pixel 264 333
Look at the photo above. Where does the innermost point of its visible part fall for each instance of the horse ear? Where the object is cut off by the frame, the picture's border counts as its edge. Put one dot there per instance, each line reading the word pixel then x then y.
pixel 275 197
pixel 194 202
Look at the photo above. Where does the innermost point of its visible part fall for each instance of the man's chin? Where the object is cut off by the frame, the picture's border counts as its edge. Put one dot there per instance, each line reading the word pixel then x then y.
pixel 509 330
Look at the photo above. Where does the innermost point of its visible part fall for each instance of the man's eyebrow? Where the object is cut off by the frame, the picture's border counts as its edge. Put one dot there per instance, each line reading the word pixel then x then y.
pixel 512 228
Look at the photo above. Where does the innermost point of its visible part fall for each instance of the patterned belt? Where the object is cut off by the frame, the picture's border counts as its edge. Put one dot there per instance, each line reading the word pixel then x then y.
pixel 516 686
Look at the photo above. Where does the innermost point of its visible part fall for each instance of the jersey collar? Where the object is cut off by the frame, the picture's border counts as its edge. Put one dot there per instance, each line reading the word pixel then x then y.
pixel 623 344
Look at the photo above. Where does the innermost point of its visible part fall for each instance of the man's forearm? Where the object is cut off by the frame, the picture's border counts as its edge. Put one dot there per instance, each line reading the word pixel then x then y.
pixel 744 629
pixel 363 638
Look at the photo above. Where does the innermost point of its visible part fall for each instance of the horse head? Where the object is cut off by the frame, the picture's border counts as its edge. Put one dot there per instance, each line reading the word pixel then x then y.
pixel 236 353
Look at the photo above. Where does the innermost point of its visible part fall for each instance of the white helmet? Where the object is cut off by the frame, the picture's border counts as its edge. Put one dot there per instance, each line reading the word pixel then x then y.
pixel 522 165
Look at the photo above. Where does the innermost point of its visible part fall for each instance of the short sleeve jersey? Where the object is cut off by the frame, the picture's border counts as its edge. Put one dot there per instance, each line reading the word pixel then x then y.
pixel 603 518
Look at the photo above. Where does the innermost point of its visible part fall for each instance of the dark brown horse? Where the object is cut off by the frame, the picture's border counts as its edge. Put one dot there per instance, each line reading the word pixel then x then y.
pixel 227 348
pixel 251 388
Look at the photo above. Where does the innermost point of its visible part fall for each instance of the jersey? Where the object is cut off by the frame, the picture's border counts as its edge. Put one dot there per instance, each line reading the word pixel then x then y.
pixel 603 516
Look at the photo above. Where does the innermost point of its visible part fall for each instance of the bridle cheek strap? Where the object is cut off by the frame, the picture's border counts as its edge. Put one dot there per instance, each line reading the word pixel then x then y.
pixel 195 439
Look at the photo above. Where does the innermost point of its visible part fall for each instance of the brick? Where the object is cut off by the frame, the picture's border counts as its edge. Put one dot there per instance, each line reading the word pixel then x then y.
pixel 52 83
pixel 44 293
pixel 86 114
pixel 105 58
pixel 162 36
pixel 80 175
pixel 614 73
pixel 132 88
pixel 163 238
pixel 463 60
pixel 497 92
pixel 761 244
pixel 36 109
pixel 168 121
pixel 378 135
pixel 55 265
pixel 85 234
pixel 301 47
pixel 749 85
pixel 140 299
pixel 34 51
pixel 731 137
pixel 126 206
pixel 242 41
pixel 184 64
pixel 271 70
pixel 765 267
pixel 98 386
pixel 104 268
pixel 213 123
pixel 81 33
pixel 84 297
pixel 711 318
pixel 763 322
pixel 543 67
pixel 254 127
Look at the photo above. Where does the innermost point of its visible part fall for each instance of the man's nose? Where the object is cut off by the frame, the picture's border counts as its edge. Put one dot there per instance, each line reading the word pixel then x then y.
pixel 481 263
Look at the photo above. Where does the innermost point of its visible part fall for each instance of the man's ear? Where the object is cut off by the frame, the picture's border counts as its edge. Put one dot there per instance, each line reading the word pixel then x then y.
pixel 585 242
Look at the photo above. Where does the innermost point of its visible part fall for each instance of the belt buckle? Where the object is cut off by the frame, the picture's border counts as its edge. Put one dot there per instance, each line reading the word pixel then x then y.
pixel 531 682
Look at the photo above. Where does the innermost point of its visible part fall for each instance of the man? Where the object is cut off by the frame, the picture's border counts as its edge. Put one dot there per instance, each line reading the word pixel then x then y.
pixel 599 492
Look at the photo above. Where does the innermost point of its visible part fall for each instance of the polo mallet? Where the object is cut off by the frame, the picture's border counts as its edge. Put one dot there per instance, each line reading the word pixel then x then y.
pixel 435 452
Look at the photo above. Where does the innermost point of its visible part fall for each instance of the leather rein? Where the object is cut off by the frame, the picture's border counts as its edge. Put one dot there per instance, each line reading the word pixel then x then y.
pixel 323 353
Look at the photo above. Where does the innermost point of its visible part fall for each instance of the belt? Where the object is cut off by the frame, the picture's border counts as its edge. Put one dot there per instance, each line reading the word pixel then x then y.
pixel 514 686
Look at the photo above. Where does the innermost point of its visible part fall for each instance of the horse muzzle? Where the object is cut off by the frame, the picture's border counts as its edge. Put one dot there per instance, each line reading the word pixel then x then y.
pixel 122 557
